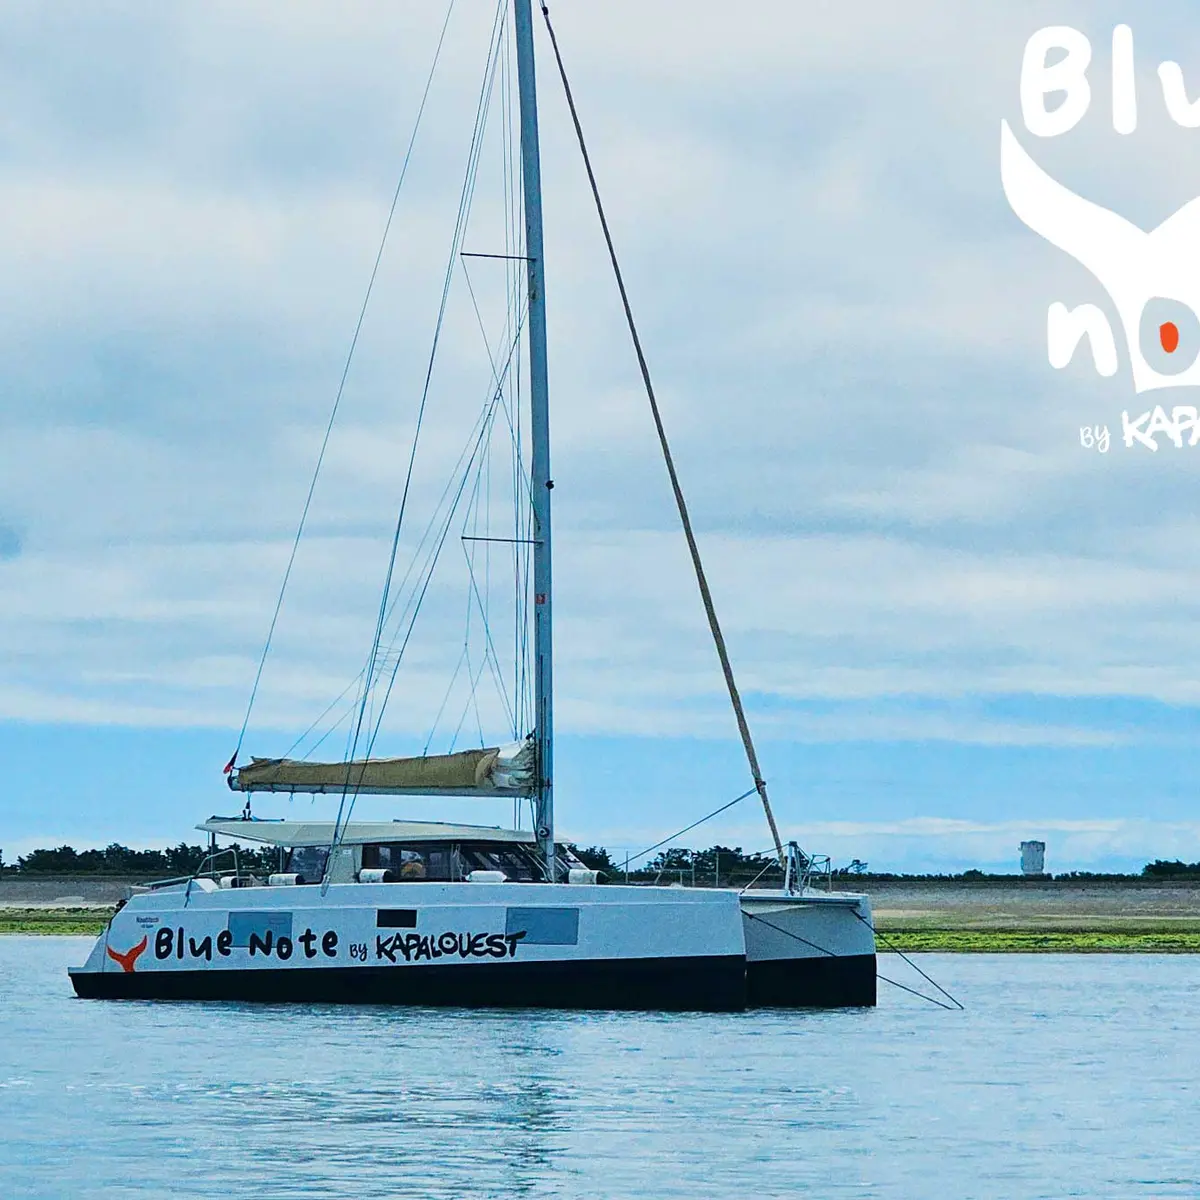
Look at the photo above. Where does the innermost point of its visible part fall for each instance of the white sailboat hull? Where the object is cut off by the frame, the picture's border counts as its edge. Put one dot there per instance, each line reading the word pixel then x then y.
pixel 487 945
pixel 812 949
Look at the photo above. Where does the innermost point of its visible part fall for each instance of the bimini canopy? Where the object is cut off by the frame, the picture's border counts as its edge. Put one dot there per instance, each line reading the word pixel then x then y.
pixel 499 771
pixel 320 833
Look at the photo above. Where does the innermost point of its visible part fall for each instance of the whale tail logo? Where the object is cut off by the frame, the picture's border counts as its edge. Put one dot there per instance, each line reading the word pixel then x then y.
pixel 1152 278
pixel 129 957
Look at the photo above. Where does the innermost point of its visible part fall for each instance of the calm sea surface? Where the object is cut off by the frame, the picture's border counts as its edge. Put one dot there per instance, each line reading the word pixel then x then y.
pixel 1066 1076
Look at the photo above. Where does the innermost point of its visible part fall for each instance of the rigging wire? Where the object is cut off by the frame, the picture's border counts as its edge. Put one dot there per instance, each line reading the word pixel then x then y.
pixel 422 562
pixel 350 791
pixel 449 688
pixel 341 388
pixel 484 430
pixel 420 596
pixel 521 485
pixel 324 713
pixel 687 828
pixel 760 784
pixel 461 220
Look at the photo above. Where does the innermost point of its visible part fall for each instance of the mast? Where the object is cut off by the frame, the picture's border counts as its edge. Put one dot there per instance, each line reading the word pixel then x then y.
pixel 541 483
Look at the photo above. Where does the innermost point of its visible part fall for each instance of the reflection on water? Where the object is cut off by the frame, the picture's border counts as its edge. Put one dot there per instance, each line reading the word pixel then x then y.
pixel 1066 1076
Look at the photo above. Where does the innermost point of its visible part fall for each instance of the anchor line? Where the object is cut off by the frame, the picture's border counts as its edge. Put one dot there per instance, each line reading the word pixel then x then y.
pixel 913 992
pixel 789 933
pixel 896 950
pixel 895 983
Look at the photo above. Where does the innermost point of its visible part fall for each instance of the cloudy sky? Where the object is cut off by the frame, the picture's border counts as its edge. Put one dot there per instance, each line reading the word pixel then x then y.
pixel 954 625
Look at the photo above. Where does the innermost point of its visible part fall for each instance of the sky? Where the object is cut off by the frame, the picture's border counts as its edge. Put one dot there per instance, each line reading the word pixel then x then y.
pixel 954 626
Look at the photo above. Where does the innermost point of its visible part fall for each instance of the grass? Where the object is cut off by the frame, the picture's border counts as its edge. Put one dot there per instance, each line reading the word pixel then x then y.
pixel 1043 941
pixel 89 921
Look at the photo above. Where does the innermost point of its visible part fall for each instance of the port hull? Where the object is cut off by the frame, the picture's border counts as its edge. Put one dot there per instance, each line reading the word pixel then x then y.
pixel 844 981
pixel 701 984
pixel 484 945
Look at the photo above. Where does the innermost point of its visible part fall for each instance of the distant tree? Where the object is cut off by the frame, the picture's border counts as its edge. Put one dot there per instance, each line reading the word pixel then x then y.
pixel 63 858
pixel 675 859
pixel 114 859
pixel 716 863
pixel 595 858
pixel 184 859
pixel 1162 869
pixel 1096 875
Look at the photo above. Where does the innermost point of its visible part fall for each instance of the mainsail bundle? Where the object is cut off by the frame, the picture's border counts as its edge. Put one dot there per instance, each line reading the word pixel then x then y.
pixel 499 770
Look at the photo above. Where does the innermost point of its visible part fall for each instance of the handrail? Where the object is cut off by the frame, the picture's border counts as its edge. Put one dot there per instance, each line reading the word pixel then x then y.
pixel 212 856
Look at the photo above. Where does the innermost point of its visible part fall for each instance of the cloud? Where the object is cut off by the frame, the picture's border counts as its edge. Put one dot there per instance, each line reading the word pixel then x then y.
pixel 845 323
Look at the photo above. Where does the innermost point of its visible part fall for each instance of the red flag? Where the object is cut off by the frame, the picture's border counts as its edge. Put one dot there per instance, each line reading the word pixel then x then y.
pixel 228 767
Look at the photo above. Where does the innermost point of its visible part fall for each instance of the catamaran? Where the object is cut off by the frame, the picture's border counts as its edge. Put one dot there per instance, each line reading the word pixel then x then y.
pixel 431 913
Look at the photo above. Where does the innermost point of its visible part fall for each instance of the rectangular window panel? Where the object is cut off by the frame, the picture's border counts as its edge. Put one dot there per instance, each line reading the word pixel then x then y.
pixel 544 926
pixel 396 918
pixel 243 924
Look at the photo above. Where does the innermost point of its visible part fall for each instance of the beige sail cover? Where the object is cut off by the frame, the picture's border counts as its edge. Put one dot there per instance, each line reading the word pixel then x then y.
pixel 499 768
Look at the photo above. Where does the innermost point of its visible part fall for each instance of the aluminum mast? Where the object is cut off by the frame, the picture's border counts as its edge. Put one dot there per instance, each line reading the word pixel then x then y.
pixel 541 483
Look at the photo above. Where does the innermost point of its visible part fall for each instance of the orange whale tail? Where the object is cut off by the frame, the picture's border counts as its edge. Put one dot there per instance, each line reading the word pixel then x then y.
pixel 129 957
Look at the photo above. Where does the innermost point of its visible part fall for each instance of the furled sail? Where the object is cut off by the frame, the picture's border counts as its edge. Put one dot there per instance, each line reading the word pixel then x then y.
pixel 501 770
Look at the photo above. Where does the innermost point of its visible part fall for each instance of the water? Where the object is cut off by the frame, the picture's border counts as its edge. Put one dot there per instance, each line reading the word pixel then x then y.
pixel 1068 1075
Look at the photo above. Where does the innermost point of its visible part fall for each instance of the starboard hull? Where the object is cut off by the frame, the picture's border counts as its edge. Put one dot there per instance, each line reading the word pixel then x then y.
pixel 482 946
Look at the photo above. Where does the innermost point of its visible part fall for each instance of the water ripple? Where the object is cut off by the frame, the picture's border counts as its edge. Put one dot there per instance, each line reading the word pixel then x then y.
pixel 1064 1077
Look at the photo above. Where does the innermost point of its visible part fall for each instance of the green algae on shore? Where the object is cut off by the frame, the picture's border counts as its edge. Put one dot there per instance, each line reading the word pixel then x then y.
pixel 64 921
pixel 1040 941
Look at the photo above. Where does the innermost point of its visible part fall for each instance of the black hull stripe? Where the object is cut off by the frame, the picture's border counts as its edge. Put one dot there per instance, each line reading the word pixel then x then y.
pixel 704 984
pixel 844 981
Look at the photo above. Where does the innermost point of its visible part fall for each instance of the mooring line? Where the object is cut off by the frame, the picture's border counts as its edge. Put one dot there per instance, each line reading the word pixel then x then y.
pixel 913 991
pixel 789 933
pixel 903 987
pixel 896 950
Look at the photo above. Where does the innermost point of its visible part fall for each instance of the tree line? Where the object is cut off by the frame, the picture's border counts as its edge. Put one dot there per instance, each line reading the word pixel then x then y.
pixel 116 859
pixel 718 866
pixel 726 864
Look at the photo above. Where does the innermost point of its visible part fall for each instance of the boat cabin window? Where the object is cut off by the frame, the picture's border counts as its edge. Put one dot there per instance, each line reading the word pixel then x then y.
pixel 442 863
pixel 308 862
pixel 412 863
pixel 516 862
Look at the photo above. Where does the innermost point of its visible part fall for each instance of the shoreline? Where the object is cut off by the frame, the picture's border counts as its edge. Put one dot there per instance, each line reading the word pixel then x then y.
pixel 1028 936
pixel 1072 916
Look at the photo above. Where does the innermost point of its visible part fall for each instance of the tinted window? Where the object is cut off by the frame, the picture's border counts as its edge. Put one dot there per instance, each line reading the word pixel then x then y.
pixel 242 925
pixel 396 918
pixel 309 861
pixel 516 864
pixel 544 926
pixel 413 862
